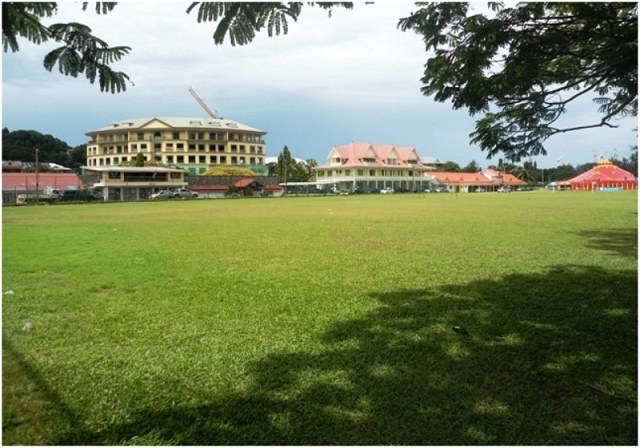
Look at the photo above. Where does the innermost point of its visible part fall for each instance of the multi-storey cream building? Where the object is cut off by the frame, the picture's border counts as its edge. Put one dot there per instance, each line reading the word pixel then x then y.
pixel 365 166
pixel 195 144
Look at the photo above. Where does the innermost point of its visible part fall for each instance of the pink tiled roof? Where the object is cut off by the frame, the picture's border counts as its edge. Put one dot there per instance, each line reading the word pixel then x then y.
pixel 27 181
pixel 354 154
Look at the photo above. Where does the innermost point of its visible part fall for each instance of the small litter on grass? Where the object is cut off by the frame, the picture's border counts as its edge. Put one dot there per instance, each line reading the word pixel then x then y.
pixel 8 293
pixel 28 326
pixel 460 330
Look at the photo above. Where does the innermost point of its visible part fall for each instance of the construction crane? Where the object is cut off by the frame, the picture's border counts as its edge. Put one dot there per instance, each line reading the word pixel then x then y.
pixel 211 113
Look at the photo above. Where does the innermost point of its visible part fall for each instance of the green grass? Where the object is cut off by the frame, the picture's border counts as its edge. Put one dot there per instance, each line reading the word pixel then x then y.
pixel 324 321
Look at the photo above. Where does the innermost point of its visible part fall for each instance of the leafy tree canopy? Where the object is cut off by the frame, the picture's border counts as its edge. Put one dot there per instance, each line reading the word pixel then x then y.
pixel 80 52
pixel 21 146
pixel 522 67
pixel 288 169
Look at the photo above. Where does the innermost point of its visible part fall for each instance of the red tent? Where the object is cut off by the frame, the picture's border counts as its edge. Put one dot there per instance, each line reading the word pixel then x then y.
pixel 604 175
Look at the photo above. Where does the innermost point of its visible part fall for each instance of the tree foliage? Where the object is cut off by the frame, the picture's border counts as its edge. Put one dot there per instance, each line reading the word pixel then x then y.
pixel 241 21
pixel 522 67
pixel 21 146
pixel 80 53
pixel 288 169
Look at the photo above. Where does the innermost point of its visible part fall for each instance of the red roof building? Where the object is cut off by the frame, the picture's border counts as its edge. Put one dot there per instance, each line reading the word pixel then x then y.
pixel 604 175
pixel 488 179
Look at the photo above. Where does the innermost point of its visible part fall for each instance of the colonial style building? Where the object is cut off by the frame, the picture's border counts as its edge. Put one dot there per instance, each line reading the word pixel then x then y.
pixel 365 166
pixel 194 144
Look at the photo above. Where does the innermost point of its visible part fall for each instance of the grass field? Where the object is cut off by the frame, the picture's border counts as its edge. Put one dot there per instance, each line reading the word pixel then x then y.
pixel 320 321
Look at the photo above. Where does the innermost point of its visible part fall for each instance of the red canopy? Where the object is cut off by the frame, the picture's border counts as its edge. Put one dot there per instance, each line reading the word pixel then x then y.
pixel 604 174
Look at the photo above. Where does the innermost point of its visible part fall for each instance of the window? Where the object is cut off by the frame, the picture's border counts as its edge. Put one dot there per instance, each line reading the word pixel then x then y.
pixel 192 147
pixel 202 159
pixel 213 159
pixel 243 148
pixel 372 173
pixel 175 135
pixel 140 136
pixel 180 159
pixel 192 159
pixel 360 172
pixel 201 147
pixel 143 146
pixel 252 149
pixel 223 159
pixel 114 175
pixel 175 175
pixel 234 148
pixel 252 160
pixel 169 159
pixel 134 147
pixel 220 148
pixel 234 160
pixel 180 146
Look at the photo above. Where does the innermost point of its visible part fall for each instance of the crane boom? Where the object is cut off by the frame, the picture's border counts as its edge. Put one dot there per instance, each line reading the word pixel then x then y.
pixel 211 113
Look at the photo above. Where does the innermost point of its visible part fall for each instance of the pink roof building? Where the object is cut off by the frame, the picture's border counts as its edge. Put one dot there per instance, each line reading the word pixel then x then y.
pixel 369 165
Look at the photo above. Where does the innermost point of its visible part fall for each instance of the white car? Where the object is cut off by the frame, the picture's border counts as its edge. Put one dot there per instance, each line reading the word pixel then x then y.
pixel 386 191
pixel 162 194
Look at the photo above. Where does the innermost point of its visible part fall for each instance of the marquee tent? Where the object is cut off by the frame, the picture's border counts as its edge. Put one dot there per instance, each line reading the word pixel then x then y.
pixel 604 175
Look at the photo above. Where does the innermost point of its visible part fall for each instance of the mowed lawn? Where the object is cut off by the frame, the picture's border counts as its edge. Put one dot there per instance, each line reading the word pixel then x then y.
pixel 323 320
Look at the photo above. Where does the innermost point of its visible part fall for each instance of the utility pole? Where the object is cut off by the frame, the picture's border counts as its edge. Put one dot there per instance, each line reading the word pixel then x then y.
pixel 37 177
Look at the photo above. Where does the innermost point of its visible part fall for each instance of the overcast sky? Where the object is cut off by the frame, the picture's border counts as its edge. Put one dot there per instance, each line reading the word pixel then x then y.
pixel 328 82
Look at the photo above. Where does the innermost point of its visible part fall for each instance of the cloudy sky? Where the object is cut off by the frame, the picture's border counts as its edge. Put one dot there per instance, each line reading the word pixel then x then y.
pixel 328 82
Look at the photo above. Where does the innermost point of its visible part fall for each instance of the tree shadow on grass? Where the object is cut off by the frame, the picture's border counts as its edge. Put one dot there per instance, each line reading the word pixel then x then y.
pixel 549 359
pixel 622 242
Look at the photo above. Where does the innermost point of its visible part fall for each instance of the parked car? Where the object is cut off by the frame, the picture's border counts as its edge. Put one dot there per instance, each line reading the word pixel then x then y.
pixel 480 190
pixel 373 191
pixel 386 191
pixel 183 193
pixel 77 195
pixel 504 190
pixel 162 194
pixel 525 188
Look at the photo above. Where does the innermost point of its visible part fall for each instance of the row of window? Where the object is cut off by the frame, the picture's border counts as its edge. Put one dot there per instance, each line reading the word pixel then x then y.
pixel 371 173
pixel 170 160
pixel 180 135
pixel 143 177
pixel 338 160
pixel 170 147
